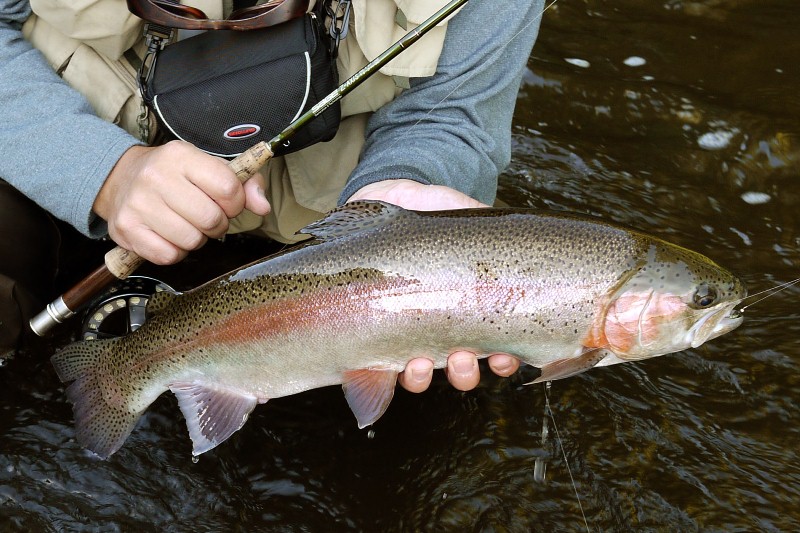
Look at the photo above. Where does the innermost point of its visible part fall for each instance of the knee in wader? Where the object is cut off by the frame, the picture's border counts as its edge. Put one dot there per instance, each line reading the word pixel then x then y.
pixel 28 263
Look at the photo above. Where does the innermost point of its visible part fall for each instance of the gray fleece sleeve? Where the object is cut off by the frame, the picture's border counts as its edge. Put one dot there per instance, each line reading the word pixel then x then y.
pixel 53 148
pixel 454 128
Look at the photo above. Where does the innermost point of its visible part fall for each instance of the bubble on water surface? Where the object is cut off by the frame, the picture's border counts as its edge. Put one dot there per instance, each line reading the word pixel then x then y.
pixel 635 61
pixel 582 63
pixel 715 140
pixel 755 198
pixel 742 235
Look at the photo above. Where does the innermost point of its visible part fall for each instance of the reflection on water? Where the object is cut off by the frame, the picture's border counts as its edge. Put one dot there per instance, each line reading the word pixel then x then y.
pixel 678 118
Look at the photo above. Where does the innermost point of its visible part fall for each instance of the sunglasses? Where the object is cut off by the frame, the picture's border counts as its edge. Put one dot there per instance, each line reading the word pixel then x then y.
pixel 171 14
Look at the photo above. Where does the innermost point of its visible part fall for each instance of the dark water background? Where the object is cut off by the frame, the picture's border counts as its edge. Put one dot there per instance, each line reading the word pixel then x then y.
pixel 662 115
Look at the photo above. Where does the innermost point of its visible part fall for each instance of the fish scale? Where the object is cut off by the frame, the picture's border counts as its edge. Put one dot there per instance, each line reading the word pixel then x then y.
pixel 380 285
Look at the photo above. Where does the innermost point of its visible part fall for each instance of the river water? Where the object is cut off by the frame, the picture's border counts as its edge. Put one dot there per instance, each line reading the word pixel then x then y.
pixel 678 118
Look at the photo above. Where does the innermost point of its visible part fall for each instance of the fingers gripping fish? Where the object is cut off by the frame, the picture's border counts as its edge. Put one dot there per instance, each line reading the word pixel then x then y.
pixel 379 285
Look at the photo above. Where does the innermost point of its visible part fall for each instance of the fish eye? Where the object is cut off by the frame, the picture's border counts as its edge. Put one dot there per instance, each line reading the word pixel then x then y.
pixel 704 296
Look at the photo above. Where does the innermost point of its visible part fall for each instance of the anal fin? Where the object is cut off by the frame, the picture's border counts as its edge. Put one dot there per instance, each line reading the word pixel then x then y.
pixel 368 393
pixel 213 412
pixel 571 366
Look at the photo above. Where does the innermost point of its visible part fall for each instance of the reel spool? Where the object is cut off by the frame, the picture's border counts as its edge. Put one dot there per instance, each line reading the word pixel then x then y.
pixel 122 308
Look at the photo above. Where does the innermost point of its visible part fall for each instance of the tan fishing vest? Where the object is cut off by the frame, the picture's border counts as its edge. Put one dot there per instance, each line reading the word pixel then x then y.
pixel 96 45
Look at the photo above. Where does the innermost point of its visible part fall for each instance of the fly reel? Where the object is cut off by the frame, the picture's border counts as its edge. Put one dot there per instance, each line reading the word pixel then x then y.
pixel 122 309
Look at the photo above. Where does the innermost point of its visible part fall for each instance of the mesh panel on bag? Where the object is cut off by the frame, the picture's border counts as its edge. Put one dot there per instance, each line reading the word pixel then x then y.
pixel 216 53
pixel 226 102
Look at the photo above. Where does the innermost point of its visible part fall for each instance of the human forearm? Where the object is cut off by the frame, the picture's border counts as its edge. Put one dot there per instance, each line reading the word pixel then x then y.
pixel 454 128
pixel 54 148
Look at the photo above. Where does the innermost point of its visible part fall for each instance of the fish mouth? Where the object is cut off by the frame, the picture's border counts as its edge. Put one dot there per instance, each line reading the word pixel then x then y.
pixel 714 324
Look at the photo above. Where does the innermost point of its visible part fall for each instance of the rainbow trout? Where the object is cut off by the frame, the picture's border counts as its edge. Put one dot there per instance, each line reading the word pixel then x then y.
pixel 379 285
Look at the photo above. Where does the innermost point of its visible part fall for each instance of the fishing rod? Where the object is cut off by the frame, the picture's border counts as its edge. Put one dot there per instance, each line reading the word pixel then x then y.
pixel 120 263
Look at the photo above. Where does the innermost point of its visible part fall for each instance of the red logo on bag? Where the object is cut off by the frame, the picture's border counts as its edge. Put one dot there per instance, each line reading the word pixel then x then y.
pixel 242 131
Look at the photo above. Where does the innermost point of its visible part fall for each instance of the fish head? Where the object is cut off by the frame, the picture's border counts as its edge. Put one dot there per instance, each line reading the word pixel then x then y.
pixel 672 300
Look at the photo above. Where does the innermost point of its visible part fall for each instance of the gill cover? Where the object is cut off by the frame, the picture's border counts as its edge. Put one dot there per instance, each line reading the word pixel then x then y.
pixel 675 300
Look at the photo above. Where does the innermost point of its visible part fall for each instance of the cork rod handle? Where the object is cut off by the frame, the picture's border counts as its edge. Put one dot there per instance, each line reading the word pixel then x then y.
pixel 122 263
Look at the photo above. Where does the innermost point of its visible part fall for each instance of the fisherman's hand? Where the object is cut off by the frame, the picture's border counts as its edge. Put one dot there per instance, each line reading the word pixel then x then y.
pixel 411 194
pixel 161 202
pixel 462 367
pixel 462 370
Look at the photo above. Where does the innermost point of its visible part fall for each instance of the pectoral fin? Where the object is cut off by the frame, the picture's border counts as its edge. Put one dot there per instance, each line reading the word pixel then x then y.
pixel 368 393
pixel 213 413
pixel 571 366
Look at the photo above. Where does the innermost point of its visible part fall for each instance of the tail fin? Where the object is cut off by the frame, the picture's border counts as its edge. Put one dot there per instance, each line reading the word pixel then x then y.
pixel 99 426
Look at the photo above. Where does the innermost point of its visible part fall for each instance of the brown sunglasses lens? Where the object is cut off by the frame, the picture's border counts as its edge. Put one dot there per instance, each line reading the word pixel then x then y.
pixel 171 14
pixel 180 10
pixel 254 11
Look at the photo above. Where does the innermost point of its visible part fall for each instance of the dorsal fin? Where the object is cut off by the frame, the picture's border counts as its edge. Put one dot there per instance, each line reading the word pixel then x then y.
pixel 353 217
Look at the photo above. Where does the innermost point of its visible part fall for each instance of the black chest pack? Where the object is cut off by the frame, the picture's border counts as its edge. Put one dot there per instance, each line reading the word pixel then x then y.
pixel 225 90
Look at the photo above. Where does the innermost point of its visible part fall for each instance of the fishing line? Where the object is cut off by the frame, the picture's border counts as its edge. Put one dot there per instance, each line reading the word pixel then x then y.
pixel 772 292
pixel 563 453
pixel 492 58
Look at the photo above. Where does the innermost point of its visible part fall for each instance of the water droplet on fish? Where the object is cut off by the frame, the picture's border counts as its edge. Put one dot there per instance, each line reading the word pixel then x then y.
pixel 371 434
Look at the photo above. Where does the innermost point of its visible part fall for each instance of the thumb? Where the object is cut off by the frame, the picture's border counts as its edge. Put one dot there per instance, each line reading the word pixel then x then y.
pixel 255 195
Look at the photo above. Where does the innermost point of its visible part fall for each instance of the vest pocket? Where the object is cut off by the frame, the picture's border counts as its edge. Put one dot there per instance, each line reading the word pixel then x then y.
pixel 109 85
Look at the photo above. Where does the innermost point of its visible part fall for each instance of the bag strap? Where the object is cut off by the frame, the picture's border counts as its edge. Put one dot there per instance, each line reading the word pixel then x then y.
pixel 156 38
